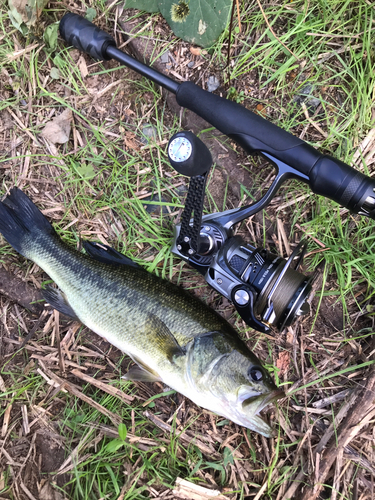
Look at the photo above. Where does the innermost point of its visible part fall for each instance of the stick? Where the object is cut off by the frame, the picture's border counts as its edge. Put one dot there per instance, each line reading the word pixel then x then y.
pixel 359 416
pixel 73 390
pixel 191 491
pixel 274 34
pixel 104 387
pixel 239 17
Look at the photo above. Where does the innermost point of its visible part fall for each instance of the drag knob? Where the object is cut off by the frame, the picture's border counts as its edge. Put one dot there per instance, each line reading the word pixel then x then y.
pixel 188 154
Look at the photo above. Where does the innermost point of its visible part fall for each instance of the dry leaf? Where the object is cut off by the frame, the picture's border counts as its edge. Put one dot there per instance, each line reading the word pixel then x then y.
pixel 261 110
pixel 282 362
pixel 128 112
pixel 82 67
pixel 47 492
pixel 25 13
pixel 130 141
pixel 58 129
pixel 196 51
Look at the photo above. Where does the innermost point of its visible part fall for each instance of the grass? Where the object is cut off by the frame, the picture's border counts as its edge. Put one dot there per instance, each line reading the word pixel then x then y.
pixel 104 184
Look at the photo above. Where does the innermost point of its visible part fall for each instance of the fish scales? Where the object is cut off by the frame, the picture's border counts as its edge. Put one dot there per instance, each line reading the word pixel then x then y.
pixel 170 334
pixel 127 289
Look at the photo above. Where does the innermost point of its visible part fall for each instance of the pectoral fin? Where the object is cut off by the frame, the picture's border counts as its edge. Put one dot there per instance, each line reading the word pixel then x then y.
pixel 139 374
pixel 162 338
pixel 58 300
pixel 107 254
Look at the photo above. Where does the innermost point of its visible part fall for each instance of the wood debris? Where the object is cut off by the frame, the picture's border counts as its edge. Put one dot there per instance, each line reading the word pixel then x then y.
pixel 191 491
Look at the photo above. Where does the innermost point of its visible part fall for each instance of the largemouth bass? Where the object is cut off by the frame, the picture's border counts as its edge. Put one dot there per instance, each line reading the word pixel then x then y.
pixel 172 336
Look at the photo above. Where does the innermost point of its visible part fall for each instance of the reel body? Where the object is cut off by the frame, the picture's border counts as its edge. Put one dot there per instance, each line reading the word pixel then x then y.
pixel 264 288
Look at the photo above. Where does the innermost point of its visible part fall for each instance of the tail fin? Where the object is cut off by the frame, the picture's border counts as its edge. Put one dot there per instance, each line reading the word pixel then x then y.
pixel 19 218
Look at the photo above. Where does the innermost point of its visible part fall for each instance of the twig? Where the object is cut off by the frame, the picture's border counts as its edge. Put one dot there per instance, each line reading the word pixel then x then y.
pixel 310 236
pixel 274 34
pixel 365 145
pixel 191 491
pixel 239 17
pixel 356 419
pixel 107 9
pixel 230 33
pixel 311 121
pixel 73 390
pixel 102 386
pixel 6 419
pixel 58 341
pixel 22 126
pixel 295 484
pixel 31 333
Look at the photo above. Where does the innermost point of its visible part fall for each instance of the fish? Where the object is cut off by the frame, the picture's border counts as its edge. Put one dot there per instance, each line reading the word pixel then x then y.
pixel 171 335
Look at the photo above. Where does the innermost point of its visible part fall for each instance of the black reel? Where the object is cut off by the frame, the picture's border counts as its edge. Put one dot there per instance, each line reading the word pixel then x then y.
pixel 265 289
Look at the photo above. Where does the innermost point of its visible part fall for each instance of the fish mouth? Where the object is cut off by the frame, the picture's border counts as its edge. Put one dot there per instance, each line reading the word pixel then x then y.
pixel 263 400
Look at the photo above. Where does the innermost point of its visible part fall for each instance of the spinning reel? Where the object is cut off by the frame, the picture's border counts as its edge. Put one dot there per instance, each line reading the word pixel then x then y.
pixel 263 287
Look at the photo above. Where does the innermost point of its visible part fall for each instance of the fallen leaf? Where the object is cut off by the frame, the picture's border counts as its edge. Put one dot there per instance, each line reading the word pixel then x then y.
pixel 196 51
pixel 47 492
pixel 82 67
pixel 58 129
pixel 25 13
pixel 54 73
pixel 128 112
pixel 130 141
pixel 261 110
pixel 282 362
pixel 85 170
pixel 50 37
pixel 90 14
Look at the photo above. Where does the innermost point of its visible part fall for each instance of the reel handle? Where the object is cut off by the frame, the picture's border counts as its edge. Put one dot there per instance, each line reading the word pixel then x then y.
pixel 190 156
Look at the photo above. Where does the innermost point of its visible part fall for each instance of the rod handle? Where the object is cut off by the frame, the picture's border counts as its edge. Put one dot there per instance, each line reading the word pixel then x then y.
pixel 85 36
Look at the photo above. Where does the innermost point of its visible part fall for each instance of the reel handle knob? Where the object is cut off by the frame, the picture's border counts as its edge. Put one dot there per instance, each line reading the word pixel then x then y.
pixel 189 155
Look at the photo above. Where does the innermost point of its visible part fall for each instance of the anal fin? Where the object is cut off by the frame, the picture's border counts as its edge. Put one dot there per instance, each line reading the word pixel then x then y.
pixel 57 299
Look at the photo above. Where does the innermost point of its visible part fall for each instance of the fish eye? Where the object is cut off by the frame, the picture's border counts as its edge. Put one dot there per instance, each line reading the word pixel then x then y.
pixel 255 374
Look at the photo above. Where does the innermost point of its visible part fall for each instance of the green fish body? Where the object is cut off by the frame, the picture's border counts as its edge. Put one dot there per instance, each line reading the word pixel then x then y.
pixel 171 335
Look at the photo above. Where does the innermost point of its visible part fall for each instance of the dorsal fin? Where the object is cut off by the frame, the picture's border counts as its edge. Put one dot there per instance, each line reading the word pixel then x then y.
pixel 107 255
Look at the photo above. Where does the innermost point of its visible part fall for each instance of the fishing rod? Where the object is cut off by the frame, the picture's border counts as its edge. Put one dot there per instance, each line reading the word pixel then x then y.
pixel 264 288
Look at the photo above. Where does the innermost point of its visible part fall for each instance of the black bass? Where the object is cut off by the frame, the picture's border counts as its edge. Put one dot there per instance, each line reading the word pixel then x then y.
pixel 171 335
